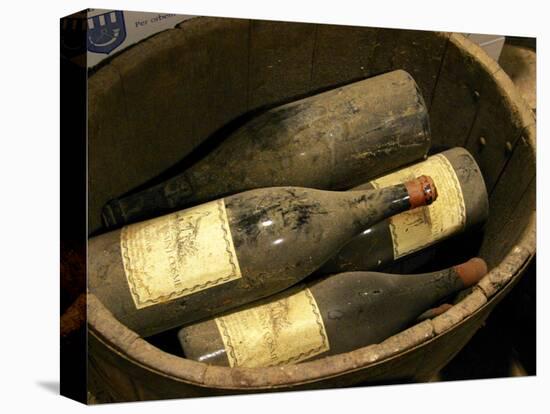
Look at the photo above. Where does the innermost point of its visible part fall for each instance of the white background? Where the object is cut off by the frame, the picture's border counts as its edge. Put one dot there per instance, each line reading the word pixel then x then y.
pixel 29 206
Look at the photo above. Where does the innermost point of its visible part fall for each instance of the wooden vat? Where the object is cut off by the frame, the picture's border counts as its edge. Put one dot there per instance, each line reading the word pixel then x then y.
pixel 159 100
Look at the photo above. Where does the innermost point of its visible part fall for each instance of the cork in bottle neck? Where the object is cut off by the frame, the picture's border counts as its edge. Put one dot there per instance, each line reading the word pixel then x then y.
pixel 471 271
pixel 422 191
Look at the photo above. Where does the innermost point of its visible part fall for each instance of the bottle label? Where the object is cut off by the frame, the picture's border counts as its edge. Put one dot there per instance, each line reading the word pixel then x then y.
pixel 416 229
pixel 277 332
pixel 178 254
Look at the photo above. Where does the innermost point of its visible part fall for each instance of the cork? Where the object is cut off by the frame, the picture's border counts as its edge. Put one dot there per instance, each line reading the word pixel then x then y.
pixel 471 271
pixel 422 191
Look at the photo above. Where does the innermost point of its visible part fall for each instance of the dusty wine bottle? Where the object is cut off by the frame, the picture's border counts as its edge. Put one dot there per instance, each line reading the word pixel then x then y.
pixel 185 266
pixel 462 205
pixel 332 140
pixel 339 313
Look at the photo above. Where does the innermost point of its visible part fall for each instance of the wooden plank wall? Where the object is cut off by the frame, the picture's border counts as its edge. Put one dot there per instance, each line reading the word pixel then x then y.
pixel 342 53
pixel 109 138
pixel 455 100
pixel 468 109
pixel 475 105
pixel 494 132
pixel 512 200
pixel 418 52
pixel 280 55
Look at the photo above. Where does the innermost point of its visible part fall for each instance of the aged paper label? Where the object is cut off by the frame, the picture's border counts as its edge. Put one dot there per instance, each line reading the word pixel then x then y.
pixel 287 330
pixel 415 229
pixel 178 254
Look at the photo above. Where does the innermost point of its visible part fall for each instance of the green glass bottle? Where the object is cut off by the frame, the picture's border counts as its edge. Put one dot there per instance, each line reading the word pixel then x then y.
pixel 333 140
pixel 192 264
pixel 339 313
pixel 462 206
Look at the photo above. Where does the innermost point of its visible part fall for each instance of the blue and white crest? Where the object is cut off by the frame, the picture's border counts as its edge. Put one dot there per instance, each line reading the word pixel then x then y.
pixel 106 32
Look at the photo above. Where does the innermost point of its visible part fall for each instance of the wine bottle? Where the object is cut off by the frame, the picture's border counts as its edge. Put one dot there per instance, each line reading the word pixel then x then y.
pixel 332 140
pixel 336 314
pixel 462 205
pixel 188 265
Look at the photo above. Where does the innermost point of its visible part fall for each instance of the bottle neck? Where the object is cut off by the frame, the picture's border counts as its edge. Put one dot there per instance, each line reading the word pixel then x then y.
pixel 158 199
pixel 437 285
pixel 441 283
pixel 371 206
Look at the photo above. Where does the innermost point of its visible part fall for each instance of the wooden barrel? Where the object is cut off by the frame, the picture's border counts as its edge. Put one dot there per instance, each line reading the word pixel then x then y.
pixel 157 101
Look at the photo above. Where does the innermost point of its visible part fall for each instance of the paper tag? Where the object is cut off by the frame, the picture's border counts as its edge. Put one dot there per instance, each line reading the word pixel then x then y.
pixel 418 228
pixel 278 332
pixel 178 254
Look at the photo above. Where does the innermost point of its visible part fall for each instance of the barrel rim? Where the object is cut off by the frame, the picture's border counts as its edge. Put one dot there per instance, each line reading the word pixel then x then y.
pixel 128 345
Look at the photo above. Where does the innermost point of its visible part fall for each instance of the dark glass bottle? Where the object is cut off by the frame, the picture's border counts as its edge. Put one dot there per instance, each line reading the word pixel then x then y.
pixel 462 205
pixel 192 264
pixel 336 314
pixel 332 141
